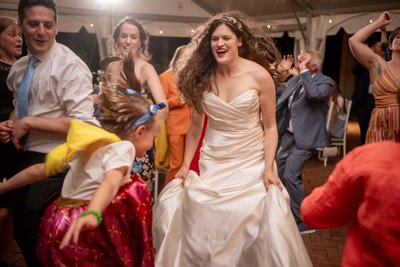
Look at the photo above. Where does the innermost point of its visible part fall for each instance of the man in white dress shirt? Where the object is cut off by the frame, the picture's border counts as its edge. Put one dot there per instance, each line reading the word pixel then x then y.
pixel 59 91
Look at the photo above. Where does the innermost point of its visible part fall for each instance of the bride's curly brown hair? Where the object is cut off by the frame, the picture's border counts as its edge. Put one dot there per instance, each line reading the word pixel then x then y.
pixel 195 68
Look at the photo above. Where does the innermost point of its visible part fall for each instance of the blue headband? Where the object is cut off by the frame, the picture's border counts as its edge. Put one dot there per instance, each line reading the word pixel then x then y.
pixel 147 116
pixel 131 91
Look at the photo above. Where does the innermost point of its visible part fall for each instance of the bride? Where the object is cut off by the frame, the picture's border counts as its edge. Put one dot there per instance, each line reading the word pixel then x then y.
pixel 236 213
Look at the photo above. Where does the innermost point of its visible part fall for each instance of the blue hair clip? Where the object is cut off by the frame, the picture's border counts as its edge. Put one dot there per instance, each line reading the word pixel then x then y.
pixel 131 91
pixel 147 116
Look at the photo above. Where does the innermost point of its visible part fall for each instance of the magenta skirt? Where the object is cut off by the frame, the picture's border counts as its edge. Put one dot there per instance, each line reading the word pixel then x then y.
pixel 123 239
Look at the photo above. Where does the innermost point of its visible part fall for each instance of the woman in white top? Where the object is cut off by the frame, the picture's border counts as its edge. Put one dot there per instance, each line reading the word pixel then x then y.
pixel 109 208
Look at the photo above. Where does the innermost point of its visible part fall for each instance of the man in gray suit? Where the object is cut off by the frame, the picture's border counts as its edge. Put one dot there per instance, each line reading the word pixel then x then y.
pixel 301 119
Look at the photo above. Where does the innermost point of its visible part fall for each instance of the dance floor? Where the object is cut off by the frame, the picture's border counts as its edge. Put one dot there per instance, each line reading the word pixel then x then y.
pixel 325 246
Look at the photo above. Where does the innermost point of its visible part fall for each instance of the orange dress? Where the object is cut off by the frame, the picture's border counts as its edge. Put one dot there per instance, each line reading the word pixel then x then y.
pixel 385 118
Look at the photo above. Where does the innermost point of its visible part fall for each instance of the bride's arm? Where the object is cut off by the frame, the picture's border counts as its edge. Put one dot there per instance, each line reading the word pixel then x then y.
pixel 268 107
pixel 192 140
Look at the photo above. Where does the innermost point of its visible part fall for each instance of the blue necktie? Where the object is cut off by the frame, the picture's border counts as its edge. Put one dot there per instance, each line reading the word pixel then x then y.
pixel 23 92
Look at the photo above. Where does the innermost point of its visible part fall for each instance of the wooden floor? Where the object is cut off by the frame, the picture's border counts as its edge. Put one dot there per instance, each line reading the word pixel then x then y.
pixel 325 246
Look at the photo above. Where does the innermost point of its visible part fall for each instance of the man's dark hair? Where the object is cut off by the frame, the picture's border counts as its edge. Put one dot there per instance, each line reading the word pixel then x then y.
pixel 50 4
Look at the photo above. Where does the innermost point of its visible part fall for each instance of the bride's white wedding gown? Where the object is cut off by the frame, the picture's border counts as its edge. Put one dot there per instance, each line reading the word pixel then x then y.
pixel 225 217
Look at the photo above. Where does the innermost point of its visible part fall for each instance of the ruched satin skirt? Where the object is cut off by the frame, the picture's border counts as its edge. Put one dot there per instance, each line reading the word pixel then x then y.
pixel 225 217
pixel 196 225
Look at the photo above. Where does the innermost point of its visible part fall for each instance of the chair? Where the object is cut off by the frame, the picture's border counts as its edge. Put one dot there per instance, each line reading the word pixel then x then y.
pixel 337 128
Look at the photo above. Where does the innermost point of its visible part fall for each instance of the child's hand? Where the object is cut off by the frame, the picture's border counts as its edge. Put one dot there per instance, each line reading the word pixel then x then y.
pixel 79 225
pixel 3 186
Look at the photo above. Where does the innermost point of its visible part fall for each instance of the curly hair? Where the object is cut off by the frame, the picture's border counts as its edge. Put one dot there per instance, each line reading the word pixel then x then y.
pixel 121 107
pixel 195 69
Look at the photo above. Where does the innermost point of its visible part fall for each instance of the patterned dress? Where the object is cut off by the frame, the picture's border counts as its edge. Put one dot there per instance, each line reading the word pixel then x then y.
pixel 145 164
pixel 124 237
pixel 385 118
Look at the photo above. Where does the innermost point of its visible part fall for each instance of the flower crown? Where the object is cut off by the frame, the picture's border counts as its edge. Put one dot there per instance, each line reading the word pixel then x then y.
pixel 233 21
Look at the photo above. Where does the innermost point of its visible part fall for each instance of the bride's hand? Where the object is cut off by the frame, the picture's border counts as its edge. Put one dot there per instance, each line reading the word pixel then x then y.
pixel 182 173
pixel 271 179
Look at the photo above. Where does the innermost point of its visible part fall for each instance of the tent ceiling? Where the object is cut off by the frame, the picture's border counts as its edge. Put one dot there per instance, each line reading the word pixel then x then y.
pixel 180 17
pixel 196 11
pixel 279 9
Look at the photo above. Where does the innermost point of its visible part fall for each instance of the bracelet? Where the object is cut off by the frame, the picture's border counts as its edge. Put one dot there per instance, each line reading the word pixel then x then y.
pixel 93 212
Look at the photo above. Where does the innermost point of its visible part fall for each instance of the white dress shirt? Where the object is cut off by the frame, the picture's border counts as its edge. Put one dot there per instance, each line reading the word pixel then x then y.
pixel 61 86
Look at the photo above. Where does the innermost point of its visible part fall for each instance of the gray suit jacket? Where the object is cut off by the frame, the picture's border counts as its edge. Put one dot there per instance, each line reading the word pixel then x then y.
pixel 308 111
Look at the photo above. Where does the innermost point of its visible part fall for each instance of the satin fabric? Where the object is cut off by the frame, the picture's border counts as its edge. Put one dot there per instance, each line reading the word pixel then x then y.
pixel 225 217
pixel 123 239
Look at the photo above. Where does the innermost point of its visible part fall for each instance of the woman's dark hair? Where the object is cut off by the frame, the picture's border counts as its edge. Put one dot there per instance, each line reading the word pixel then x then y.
pixel 393 35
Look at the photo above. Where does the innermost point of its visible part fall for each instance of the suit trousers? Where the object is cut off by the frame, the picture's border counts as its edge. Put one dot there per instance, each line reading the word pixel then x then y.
pixel 290 161
pixel 29 204
pixel 176 145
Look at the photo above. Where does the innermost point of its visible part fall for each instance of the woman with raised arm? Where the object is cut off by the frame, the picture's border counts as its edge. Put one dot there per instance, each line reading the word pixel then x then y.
pixel 384 123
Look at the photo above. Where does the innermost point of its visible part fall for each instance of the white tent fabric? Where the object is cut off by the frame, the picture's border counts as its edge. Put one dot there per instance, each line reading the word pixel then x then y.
pixel 179 18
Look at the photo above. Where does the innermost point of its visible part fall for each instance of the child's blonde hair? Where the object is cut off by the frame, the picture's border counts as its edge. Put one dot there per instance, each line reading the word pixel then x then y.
pixel 121 107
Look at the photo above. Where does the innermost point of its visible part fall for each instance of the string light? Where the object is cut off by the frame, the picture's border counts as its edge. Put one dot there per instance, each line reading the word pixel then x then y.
pixel 330 20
